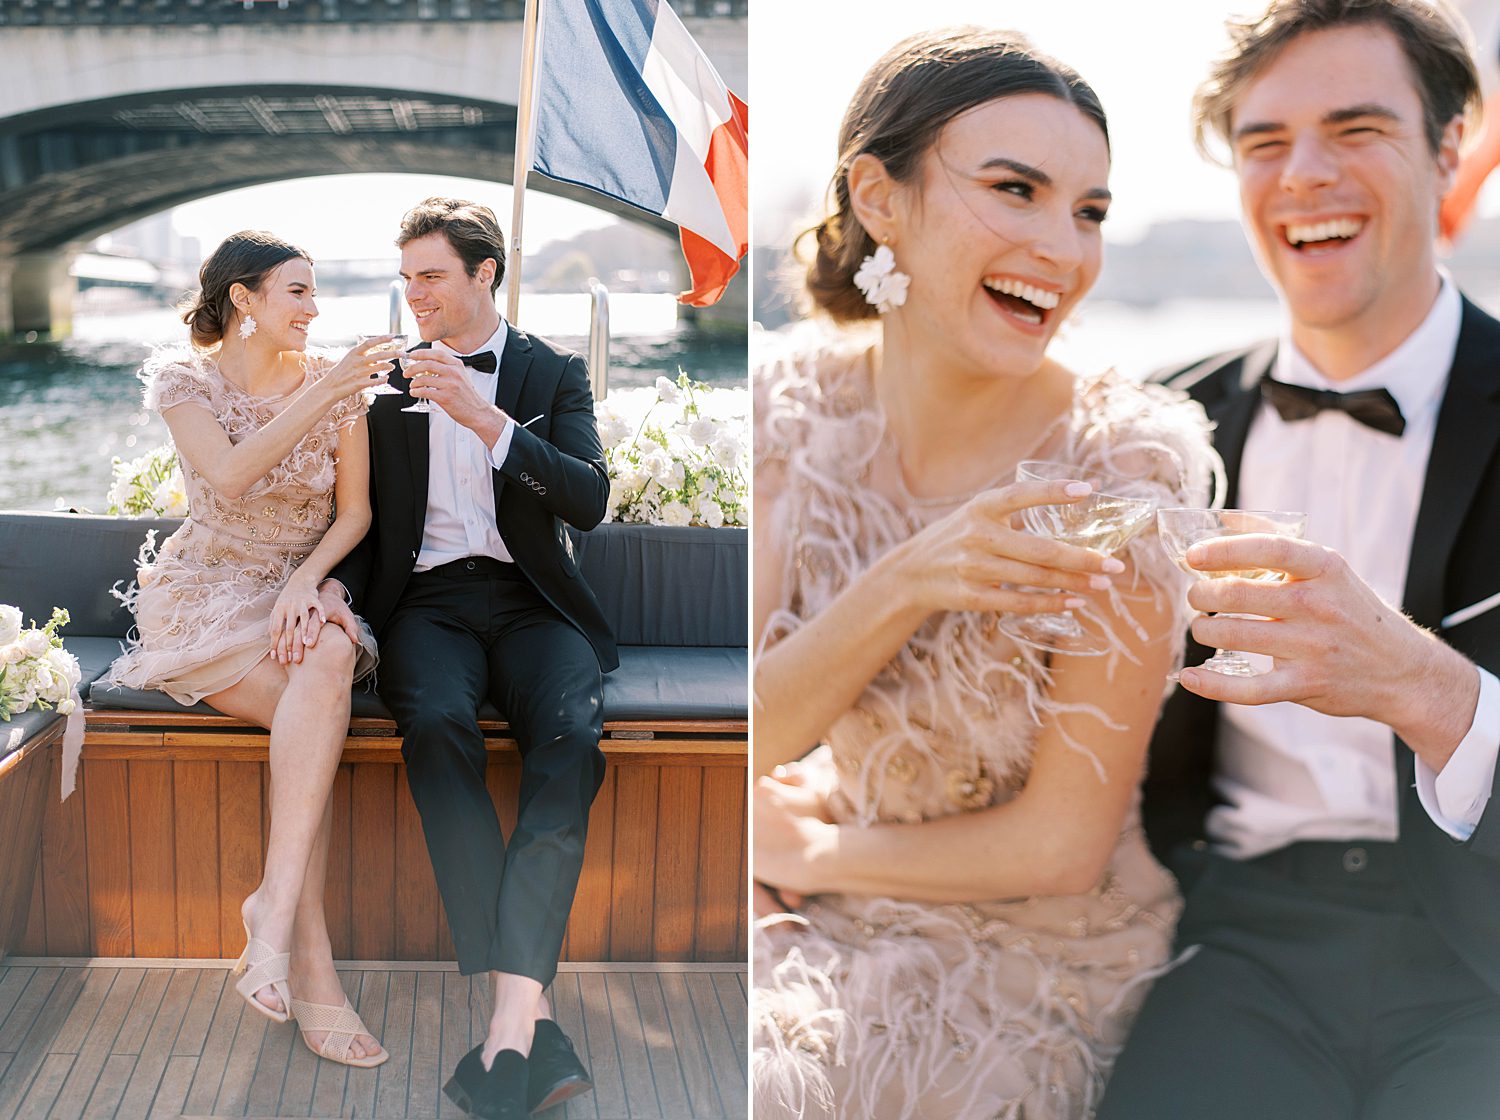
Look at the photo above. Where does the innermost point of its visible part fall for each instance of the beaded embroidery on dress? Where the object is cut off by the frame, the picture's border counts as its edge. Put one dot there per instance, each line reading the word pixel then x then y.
pixel 883 1008
pixel 202 601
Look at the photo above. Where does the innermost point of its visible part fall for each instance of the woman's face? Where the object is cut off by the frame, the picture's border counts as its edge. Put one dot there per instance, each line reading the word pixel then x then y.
pixel 1001 236
pixel 283 305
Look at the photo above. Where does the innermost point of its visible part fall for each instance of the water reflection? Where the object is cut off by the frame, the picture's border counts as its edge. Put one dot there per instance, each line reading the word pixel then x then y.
pixel 67 409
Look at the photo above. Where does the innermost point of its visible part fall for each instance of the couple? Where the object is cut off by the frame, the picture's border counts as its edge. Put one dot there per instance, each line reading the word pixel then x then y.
pixel 320 524
pixel 961 917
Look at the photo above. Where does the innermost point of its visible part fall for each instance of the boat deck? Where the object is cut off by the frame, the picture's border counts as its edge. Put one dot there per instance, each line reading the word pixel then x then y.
pixel 133 1038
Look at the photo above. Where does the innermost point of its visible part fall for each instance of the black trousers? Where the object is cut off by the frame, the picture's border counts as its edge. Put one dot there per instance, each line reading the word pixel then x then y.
pixel 1319 991
pixel 467 630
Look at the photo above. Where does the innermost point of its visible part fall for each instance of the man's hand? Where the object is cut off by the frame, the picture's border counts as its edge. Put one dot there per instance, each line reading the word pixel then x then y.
pixel 335 612
pixel 437 375
pixel 1338 647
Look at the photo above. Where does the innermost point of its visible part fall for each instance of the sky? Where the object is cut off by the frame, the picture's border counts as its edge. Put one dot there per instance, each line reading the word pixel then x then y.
pixel 1143 57
pixel 343 217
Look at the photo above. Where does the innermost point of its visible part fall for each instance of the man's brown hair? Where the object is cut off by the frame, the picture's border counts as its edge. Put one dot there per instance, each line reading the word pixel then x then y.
pixel 469 227
pixel 1432 36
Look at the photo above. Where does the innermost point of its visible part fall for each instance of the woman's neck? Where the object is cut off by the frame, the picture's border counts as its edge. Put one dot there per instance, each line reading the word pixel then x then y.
pixel 954 428
pixel 255 366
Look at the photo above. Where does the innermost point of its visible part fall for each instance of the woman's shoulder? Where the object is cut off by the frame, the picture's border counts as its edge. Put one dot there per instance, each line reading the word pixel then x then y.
pixel 807 372
pixel 1144 430
pixel 177 374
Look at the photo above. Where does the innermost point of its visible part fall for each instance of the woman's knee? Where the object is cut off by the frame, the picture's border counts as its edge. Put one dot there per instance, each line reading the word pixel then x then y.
pixel 333 654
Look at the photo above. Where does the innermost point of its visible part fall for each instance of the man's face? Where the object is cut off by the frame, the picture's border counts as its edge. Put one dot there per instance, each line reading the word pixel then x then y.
pixel 1338 185
pixel 446 300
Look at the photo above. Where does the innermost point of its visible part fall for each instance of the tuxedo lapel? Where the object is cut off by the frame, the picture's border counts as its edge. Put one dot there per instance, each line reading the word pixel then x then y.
pixel 1468 430
pixel 515 363
pixel 1233 411
pixel 419 448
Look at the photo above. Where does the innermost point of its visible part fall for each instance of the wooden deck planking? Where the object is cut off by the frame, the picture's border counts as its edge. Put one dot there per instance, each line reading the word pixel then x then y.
pixel 129 1039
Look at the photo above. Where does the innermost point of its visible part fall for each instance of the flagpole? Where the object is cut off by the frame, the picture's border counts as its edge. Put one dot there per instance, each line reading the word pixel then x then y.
pixel 525 139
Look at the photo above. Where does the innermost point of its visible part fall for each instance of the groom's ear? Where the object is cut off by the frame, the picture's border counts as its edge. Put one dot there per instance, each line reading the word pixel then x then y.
pixel 872 196
pixel 1450 146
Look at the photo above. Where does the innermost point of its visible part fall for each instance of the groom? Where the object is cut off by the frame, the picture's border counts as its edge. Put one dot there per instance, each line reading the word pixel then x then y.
pixel 468 579
pixel 1333 819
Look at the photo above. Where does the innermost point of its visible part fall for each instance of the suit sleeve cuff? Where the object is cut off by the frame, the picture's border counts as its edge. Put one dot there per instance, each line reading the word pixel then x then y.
pixel 1455 799
pixel 501 449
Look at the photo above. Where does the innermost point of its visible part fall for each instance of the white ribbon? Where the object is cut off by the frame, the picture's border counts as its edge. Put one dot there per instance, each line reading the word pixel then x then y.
pixel 72 746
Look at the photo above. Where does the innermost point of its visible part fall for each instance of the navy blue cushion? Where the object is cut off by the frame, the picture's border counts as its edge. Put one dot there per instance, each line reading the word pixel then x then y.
pixel 94 656
pixel 29 724
pixel 652 683
pixel 657 585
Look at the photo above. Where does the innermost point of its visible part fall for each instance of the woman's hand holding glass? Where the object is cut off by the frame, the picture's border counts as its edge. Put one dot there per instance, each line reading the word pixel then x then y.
pixel 363 368
pixel 389 347
pixel 977 559
pixel 1105 520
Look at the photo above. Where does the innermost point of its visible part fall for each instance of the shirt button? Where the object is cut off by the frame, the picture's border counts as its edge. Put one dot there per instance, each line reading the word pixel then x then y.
pixel 1356 860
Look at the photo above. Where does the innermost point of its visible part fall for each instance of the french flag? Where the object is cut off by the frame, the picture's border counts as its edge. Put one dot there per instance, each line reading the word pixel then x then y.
pixel 629 105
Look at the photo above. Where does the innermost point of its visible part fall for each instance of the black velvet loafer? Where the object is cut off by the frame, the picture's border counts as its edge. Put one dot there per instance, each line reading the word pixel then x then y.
pixel 497 1093
pixel 553 1072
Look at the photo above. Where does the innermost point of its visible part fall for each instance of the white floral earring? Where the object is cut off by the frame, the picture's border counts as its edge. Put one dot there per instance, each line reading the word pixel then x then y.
pixel 248 324
pixel 883 284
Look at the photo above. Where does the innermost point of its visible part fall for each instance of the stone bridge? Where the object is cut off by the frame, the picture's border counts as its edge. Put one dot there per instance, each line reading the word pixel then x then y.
pixel 112 110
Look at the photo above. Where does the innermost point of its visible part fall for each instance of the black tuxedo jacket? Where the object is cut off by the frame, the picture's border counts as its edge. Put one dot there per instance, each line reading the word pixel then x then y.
pixel 1455 561
pixel 553 473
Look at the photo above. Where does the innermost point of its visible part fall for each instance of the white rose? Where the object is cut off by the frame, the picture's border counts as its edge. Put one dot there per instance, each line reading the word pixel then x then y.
pixel 614 431
pixel 10 623
pixel 667 391
pixel 727 452
pixel 66 705
pixel 713 515
pixel 65 665
pixel 35 643
pixel 11 654
pixel 676 513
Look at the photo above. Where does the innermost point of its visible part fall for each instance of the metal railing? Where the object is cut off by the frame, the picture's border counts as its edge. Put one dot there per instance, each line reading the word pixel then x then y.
pixel 598 339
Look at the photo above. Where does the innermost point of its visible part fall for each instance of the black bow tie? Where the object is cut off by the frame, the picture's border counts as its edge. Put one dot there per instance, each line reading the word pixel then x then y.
pixel 484 361
pixel 1375 408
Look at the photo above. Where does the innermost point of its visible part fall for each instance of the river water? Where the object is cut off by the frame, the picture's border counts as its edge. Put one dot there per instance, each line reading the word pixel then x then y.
pixel 67 409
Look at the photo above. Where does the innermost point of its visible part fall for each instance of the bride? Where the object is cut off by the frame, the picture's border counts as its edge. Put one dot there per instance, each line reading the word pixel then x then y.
pixel 960 914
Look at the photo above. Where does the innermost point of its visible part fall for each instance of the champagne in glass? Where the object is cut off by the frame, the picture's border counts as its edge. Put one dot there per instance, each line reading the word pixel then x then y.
pixel 1180 529
pixel 423 405
pixel 1105 521
pixel 393 348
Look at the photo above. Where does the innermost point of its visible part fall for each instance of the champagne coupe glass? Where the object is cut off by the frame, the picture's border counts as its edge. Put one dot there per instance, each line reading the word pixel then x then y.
pixel 1104 521
pixel 1180 529
pixel 392 349
pixel 424 405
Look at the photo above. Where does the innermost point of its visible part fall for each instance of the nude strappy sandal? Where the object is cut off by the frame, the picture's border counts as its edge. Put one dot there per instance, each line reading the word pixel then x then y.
pixel 260 966
pixel 339 1025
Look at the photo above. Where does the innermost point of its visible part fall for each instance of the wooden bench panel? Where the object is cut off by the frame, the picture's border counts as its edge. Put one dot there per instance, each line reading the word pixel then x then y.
pixel 166 835
pixel 26 777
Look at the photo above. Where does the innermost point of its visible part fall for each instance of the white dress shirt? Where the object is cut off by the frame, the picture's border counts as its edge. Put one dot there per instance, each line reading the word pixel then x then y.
pixel 1286 772
pixel 460 492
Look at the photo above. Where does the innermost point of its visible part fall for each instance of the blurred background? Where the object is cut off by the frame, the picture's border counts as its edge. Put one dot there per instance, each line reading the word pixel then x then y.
pixel 1179 280
pixel 137 134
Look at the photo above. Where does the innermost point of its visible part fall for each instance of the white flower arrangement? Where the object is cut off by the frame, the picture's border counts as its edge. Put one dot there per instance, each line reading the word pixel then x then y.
pixel 35 670
pixel 678 454
pixel 149 486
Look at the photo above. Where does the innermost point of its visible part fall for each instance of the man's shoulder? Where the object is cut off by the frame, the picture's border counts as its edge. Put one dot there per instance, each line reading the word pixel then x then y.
pixel 544 349
pixel 1212 374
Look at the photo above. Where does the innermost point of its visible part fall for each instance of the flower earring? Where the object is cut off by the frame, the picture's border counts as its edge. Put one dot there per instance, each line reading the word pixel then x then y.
pixel 883 284
pixel 248 324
